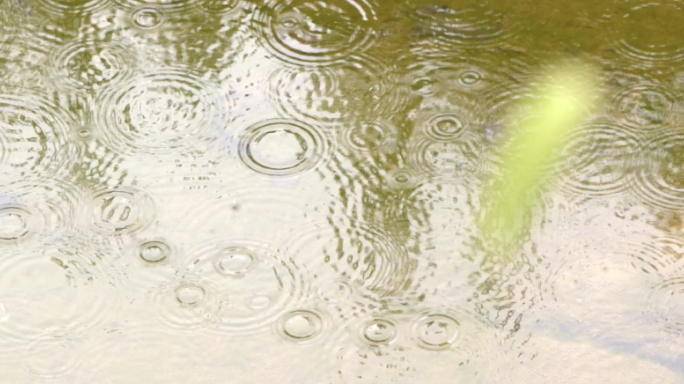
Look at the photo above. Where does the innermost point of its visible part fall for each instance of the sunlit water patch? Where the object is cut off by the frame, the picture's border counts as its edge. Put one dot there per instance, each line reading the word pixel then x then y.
pixel 315 32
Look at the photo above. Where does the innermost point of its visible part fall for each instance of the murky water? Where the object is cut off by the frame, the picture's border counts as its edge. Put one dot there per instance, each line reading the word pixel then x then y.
pixel 229 191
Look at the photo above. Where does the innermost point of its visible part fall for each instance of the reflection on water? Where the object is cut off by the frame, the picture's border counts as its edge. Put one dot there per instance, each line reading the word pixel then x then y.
pixel 287 191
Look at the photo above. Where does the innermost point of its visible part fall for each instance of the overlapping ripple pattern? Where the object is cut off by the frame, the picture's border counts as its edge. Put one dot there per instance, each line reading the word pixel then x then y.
pixel 245 191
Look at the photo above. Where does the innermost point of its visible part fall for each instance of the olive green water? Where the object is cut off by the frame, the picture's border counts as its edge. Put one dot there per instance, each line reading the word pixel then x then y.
pixel 227 191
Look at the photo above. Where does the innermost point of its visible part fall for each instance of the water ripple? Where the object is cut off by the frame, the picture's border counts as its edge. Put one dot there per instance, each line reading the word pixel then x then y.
pixel 462 24
pixel 70 8
pixel 646 105
pixel 366 256
pixel 34 132
pixel 283 147
pixel 171 6
pixel 90 65
pixel 55 285
pixel 666 305
pixel 339 94
pixel 117 211
pixel 660 179
pixel 315 32
pixel 170 109
pixel 636 37
pixel 233 287
pixel 598 159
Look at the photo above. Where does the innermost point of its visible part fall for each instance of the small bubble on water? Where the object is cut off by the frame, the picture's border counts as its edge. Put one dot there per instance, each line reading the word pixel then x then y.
pixel 189 294
pixel 379 331
pixel 154 251
pixel 234 261
pixel 436 332
pixel 300 325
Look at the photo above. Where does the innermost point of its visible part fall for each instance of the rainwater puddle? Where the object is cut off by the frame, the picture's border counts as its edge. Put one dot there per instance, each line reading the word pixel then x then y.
pixel 239 191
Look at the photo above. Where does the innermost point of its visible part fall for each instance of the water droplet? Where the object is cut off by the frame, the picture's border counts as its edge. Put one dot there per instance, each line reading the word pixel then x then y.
pixel 119 211
pixel 378 331
pixel 322 33
pixel 147 18
pixel 436 331
pixel 168 110
pixel 403 178
pixel 444 126
pixel 154 251
pixel 189 294
pixel 283 147
pixel 234 261
pixel 15 222
pixel 300 325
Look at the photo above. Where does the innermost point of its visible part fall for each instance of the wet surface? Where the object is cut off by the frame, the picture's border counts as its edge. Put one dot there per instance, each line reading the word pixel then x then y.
pixel 288 191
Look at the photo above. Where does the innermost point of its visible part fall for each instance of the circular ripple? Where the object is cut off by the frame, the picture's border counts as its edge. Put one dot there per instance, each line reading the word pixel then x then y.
pixel 467 24
pixel 436 331
pixel 598 158
pixel 300 325
pixel 645 105
pixel 91 65
pixel 660 180
pixel 660 255
pixel 251 285
pixel 186 303
pixel 365 256
pixel 369 136
pixel 360 89
pixel 310 32
pixel 403 178
pixel 147 18
pixel 67 8
pixel 36 206
pixel 217 6
pixel 434 77
pixel 165 111
pixel 155 251
pixel 33 139
pixel 117 211
pixel 283 147
pixel 54 353
pixel 638 38
pixel 443 158
pixel 378 331
pixel 667 304
pixel 54 285
pixel 165 5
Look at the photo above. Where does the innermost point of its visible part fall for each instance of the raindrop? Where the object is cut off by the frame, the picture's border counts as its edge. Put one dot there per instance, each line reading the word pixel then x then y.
pixel 379 331
pixel 300 325
pixel 267 284
pixel 118 211
pixel 189 294
pixel 234 261
pixel 403 178
pixel 283 147
pixel 436 331
pixel 305 31
pixel 147 18
pixel 154 251
pixel 168 110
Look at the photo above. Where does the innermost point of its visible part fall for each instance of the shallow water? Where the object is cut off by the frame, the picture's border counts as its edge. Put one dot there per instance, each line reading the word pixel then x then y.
pixel 228 191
